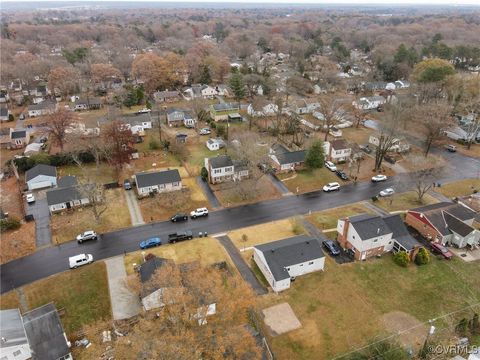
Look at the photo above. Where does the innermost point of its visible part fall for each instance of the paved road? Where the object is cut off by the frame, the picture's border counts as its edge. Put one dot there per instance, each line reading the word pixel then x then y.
pixel 49 261
pixel 39 210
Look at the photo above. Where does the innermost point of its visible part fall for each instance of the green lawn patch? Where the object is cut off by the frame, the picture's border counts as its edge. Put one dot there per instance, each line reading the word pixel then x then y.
pixel 308 180
pixel 328 219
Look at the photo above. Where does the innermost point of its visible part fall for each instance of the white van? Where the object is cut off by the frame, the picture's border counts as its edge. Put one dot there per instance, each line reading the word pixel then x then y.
pixel 79 260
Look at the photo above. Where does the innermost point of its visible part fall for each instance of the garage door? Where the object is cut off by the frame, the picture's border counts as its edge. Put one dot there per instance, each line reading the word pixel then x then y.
pixel 39 185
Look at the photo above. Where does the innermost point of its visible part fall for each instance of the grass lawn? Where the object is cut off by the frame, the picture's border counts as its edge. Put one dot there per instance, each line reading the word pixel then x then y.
pixel 206 250
pixel 15 244
pixel 82 293
pixel 459 188
pixel 67 225
pixel 259 234
pixel 9 300
pixel 328 219
pixel 307 180
pixel 404 201
pixel 197 154
pixel 106 173
pixel 228 194
pixel 346 306
pixel 359 136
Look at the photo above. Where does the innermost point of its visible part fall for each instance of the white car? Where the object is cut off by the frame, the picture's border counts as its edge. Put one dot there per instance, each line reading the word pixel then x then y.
pixel 79 260
pixel 205 131
pixel 330 166
pixel 198 213
pixel 387 192
pixel 30 198
pixel 378 178
pixel 87 235
pixel 331 187
pixel 144 111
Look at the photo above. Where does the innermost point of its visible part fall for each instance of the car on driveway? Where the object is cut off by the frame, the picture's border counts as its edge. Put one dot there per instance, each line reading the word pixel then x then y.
pixel 149 243
pixel 179 217
pixel 387 192
pixel 199 213
pixel 341 175
pixel 365 148
pixel 334 186
pixel 205 131
pixel 127 185
pixel 451 148
pixel 144 111
pixel 79 260
pixel 379 177
pixel 442 250
pixel 87 235
pixel 331 247
pixel 330 166
pixel 30 198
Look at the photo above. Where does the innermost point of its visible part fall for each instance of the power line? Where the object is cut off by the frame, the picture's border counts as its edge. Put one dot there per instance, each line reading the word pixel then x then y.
pixel 405 331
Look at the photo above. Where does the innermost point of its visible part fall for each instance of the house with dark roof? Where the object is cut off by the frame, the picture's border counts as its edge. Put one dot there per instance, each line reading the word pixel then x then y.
pixel 68 195
pixel 41 176
pixel 337 150
pixel 158 181
pixel 4 113
pixel 447 223
pixel 90 103
pixel 19 138
pixel 166 96
pixel 175 117
pixel 224 111
pixel 283 260
pixel 45 334
pixel 284 160
pixel 369 235
pixel 14 343
pixel 222 168
pixel 46 107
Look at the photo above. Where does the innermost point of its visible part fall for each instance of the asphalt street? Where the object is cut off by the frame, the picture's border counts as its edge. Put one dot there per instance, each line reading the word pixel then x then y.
pixel 52 260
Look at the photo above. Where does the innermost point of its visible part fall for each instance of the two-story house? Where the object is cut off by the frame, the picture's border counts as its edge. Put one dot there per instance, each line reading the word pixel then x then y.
pixel 175 117
pixel 19 138
pixel 221 168
pixel 369 103
pixel 337 150
pixel 222 111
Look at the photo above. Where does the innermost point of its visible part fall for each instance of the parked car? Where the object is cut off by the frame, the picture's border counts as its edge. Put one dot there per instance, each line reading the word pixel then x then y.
pixel 30 198
pixel 341 175
pixel 179 217
pixel 378 178
pixel 451 148
pixel 22 117
pixel 199 212
pixel 180 236
pixel 205 131
pixel 87 235
pixel 144 111
pixel 387 192
pixel 366 148
pixel 390 159
pixel 330 166
pixel 331 247
pixel 331 187
pixel 149 243
pixel 127 185
pixel 79 260
pixel 442 250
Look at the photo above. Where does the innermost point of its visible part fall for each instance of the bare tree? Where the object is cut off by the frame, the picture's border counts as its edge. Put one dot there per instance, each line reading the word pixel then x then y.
pixel 388 133
pixel 435 118
pixel 425 177
pixel 57 126
pixel 118 142
pixel 330 109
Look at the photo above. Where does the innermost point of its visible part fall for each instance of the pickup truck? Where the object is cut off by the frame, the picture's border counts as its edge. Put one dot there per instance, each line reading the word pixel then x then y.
pixel 180 236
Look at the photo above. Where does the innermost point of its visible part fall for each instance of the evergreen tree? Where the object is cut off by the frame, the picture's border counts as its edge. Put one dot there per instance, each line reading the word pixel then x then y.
pixel 315 156
pixel 205 77
pixel 237 86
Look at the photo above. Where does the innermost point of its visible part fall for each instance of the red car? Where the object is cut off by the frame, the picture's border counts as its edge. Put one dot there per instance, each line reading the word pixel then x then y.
pixel 442 250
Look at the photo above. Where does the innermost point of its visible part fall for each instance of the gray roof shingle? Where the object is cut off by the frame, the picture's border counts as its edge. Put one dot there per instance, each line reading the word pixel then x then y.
pixel 457 226
pixel 66 194
pixel 369 226
pixel 284 253
pixel 12 329
pixel 291 157
pixel 18 134
pixel 220 161
pixel 400 232
pixel 40 169
pixel 145 179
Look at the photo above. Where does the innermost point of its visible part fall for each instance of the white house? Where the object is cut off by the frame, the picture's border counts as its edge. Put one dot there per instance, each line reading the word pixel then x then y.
pixel 280 261
pixel 265 110
pixel 41 176
pixel 337 150
pixel 189 121
pixel 158 181
pixel 44 108
pixel 398 145
pixel 221 168
pixel 215 144
pixel 197 91
pixel 33 148
pixel 369 103
pixel 68 195
pixel 14 338
pixel 402 84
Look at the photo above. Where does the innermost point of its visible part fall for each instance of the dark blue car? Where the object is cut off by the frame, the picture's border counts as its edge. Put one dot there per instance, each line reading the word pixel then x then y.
pixel 331 247
pixel 152 242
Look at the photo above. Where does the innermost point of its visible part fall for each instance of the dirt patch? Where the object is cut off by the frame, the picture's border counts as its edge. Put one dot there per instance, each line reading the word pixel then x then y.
pixel 411 332
pixel 17 243
pixel 247 191
pixel 280 319
pixel 10 198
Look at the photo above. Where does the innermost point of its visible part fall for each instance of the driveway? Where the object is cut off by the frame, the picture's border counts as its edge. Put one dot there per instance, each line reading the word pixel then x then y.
pixel 125 304
pixel 279 184
pixel 212 199
pixel 41 214
pixel 133 208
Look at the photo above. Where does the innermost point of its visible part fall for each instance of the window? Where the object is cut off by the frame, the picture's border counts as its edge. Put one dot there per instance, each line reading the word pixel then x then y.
pixel 310 263
pixel 288 269
pixel 217 171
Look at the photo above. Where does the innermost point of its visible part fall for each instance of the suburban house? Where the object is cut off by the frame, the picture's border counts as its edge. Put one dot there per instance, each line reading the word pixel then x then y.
pixel 67 195
pixel 200 91
pixel 215 144
pixel 448 223
pixel 472 202
pixel 369 103
pixel 221 168
pixel 19 138
pixel 44 108
pixel 4 113
pixel 402 84
pixel 33 148
pixel 267 109
pixel 137 123
pixel 304 106
pixel 175 117
pixel 5 138
pixel 158 181
pixel 41 176
pixel 87 104
pixel 337 150
pixel 398 145
pixel 79 128
pixel 372 235
pixel 189 121
pixel 284 160
pixel 36 335
pixel 283 260
pixel 223 90
pixel 224 111
pixel 166 96
pixel 458 133
pixel 375 86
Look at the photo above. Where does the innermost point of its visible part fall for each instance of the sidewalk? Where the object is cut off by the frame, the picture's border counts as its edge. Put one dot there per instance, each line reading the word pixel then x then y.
pixel 133 208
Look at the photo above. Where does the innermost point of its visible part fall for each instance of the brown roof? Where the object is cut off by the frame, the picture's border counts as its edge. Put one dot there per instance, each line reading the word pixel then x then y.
pixel 340 144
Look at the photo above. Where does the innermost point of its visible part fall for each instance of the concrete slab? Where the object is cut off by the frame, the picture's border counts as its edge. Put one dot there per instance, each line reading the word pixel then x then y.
pixel 466 255
pixel 280 319
pixel 125 304
pixel 133 208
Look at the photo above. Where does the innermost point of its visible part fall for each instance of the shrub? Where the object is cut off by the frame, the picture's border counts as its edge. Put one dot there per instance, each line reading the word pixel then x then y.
pixel 423 257
pixel 10 223
pixel 221 130
pixel 297 226
pixel 374 198
pixel 11 117
pixel 204 173
pixel 153 144
pixel 401 258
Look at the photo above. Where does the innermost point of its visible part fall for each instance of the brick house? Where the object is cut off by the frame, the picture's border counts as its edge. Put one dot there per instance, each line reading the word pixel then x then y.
pixel 284 160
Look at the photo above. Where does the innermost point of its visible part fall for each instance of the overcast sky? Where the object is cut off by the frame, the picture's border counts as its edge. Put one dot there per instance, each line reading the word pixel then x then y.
pixel 384 2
